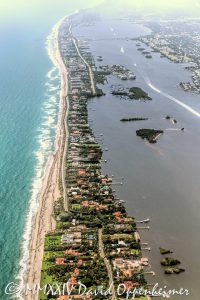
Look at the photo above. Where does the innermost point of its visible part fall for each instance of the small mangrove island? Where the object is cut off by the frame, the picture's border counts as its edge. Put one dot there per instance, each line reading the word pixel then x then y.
pixel 134 93
pixel 137 93
pixel 119 71
pixel 133 119
pixel 164 251
pixel 148 56
pixel 170 271
pixel 169 261
pixel 150 135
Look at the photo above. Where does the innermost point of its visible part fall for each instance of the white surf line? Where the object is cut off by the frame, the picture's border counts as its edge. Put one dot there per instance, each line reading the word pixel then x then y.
pixel 50 73
pixel 43 157
pixel 177 101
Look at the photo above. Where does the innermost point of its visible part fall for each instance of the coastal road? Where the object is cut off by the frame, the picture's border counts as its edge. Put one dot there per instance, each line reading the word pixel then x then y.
pixel 64 159
pixel 58 61
pixel 85 62
pixel 64 108
pixel 107 263
pixel 65 101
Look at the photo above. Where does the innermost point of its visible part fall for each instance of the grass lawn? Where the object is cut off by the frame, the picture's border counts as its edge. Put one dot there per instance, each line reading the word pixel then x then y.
pixel 76 206
pixel 60 224
pixel 135 252
pixel 122 236
pixel 45 279
pixel 54 240
pixel 48 254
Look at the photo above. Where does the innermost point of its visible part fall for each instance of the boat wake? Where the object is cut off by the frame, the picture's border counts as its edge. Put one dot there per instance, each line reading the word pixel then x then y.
pixel 156 149
pixel 173 129
pixel 177 101
pixel 122 50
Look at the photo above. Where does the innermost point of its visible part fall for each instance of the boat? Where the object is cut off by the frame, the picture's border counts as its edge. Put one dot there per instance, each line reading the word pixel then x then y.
pixel 123 77
pixel 146 221
pixel 132 77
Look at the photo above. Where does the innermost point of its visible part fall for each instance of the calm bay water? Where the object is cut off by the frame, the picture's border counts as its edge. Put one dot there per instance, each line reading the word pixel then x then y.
pixel 161 180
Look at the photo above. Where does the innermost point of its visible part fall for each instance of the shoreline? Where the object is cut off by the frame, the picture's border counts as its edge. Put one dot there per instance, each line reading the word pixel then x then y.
pixel 65 251
pixel 43 221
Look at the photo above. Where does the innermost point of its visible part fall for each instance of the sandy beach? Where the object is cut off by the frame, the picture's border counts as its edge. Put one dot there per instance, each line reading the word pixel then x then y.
pixel 50 192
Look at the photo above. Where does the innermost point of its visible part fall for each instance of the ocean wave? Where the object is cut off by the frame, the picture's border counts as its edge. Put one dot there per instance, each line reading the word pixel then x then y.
pixel 53 88
pixel 50 75
pixel 45 138
pixel 46 144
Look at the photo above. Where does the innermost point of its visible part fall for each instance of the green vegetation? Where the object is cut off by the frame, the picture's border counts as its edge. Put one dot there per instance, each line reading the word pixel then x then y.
pixel 149 134
pixel 100 76
pixel 120 93
pixel 174 271
pixel 95 229
pixel 133 119
pixel 145 52
pixel 134 93
pixel 119 71
pixel 137 93
pixel 58 206
pixel 164 251
pixel 169 261
pixel 135 252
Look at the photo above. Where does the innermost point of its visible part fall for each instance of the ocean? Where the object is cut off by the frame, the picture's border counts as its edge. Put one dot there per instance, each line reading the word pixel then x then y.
pixel 29 98
pixel 29 103
pixel 158 182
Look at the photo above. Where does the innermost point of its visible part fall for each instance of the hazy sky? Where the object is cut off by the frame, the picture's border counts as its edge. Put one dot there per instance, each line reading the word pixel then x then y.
pixel 157 6
pixel 55 8
pixel 21 6
pixel 42 8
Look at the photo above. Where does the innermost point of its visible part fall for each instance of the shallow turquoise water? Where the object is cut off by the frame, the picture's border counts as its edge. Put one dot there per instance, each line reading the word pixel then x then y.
pixel 28 113
pixel 29 98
